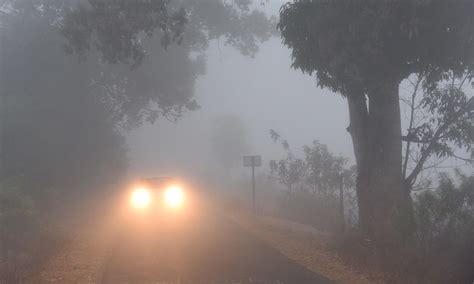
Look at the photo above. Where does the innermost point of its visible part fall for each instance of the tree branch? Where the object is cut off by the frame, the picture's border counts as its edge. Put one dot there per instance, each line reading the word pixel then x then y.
pixel 462 158
pixel 419 166
pixel 410 127
pixel 413 139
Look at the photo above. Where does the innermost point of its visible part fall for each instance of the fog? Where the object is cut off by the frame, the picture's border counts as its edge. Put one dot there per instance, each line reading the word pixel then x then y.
pixel 263 93
pixel 117 113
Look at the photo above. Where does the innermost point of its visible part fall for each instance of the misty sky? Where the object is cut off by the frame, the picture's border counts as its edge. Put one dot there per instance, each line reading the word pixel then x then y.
pixel 264 93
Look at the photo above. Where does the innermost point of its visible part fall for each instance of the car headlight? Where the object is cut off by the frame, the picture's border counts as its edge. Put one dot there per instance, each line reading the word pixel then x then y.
pixel 174 196
pixel 141 198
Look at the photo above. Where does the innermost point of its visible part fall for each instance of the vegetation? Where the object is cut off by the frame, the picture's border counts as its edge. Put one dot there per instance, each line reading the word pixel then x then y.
pixel 313 185
pixel 363 50
pixel 445 229
pixel 439 126
pixel 76 77
pixel 95 69
pixel 64 130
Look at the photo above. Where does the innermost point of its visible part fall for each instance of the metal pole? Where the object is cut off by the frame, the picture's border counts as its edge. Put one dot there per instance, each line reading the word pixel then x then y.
pixel 2 100
pixel 253 189
pixel 3 219
pixel 341 204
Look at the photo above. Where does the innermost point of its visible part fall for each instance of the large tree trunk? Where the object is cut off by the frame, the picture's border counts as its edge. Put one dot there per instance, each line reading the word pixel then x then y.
pixel 391 204
pixel 384 206
pixel 358 129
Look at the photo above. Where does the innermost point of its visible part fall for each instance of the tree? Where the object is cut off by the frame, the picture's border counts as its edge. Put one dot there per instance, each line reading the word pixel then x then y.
pixel 313 183
pixel 318 172
pixel 228 141
pixel 445 230
pixel 440 124
pixel 119 29
pixel 57 134
pixel 290 171
pixel 363 50
pixel 99 96
pixel 324 170
pixel 172 35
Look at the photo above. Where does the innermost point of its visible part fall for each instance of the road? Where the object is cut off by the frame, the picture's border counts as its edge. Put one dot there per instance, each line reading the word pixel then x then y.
pixel 198 247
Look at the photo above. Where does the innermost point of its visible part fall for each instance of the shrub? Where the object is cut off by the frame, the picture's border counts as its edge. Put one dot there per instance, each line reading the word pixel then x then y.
pixel 445 229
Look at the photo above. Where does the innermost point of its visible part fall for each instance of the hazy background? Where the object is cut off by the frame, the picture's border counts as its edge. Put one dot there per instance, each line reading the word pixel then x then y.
pixel 263 93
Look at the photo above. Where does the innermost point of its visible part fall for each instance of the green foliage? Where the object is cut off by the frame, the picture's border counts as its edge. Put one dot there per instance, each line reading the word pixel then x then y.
pixel 448 213
pixel 445 228
pixel 355 44
pixel 440 123
pixel 312 185
pixel 118 29
pixel 324 169
pixel 318 172
pixel 451 114
pixel 125 32
pixel 363 50
pixel 290 171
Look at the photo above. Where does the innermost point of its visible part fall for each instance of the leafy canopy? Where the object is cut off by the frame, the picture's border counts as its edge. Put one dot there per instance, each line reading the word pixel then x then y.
pixel 109 36
pixel 355 44
pixel 119 29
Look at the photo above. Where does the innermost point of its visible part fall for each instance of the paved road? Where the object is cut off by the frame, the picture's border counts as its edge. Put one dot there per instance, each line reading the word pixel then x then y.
pixel 200 247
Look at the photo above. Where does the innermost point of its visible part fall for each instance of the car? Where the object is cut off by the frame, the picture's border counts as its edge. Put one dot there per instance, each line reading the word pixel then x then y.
pixel 155 193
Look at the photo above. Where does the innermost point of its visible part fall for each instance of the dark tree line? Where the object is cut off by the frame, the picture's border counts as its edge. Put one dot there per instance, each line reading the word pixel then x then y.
pixel 76 75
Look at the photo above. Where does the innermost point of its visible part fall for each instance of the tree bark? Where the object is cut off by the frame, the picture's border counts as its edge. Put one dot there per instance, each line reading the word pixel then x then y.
pixel 392 219
pixel 358 128
pixel 385 212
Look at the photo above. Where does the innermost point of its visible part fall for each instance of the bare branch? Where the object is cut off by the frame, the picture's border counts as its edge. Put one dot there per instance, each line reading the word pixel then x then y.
pixel 438 134
pixel 468 160
pixel 410 127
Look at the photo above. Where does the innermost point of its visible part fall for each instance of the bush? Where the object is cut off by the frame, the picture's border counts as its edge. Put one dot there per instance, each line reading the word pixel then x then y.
pixel 445 229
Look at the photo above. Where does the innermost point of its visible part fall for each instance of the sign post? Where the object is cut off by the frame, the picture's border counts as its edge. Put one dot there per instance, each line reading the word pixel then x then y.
pixel 253 161
pixel 341 203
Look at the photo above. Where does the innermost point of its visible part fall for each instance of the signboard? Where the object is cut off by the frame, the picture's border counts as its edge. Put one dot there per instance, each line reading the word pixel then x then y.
pixel 252 161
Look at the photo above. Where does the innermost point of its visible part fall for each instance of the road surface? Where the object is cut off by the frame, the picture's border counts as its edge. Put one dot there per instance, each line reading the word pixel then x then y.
pixel 198 247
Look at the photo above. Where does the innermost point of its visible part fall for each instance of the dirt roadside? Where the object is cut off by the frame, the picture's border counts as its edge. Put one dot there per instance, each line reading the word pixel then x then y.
pixel 307 246
pixel 81 259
